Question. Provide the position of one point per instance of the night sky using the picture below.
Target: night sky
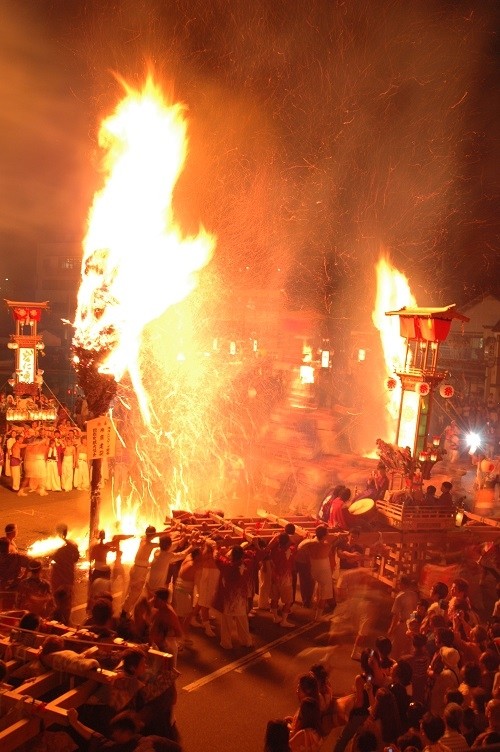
(321, 133)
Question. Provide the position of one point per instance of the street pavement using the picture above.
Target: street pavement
(225, 698)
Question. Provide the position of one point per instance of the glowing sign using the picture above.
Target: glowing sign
(408, 421)
(26, 365)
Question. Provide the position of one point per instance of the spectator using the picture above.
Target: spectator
(307, 731)
(419, 663)
(433, 728)
(277, 735)
(384, 718)
(124, 733)
(492, 733)
(326, 699)
(401, 679)
(453, 716)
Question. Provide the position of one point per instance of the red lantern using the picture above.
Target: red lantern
(391, 383)
(487, 466)
(422, 388)
(446, 391)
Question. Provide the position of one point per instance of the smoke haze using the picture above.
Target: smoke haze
(319, 131)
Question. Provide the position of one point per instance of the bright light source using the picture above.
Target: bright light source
(474, 441)
(361, 355)
(325, 358)
(306, 374)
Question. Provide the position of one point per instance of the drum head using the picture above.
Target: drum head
(361, 506)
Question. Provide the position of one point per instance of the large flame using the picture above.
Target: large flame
(136, 261)
(393, 292)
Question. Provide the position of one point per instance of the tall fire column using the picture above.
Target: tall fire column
(424, 330)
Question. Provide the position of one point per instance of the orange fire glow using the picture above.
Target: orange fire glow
(393, 292)
(137, 263)
(136, 260)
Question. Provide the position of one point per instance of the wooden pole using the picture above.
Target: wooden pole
(95, 501)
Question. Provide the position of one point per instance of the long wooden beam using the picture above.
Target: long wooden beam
(19, 733)
(74, 697)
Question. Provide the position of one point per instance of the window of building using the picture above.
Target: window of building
(70, 262)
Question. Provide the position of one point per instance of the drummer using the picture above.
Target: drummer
(376, 485)
(339, 514)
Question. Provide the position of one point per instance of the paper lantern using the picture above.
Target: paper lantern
(391, 383)
(487, 466)
(422, 388)
(446, 391)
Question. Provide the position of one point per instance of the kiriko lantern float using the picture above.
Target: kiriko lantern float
(424, 330)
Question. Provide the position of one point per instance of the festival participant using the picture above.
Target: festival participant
(166, 555)
(62, 606)
(34, 593)
(282, 559)
(166, 628)
(68, 463)
(349, 551)
(12, 566)
(100, 621)
(339, 516)
(141, 621)
(377, 484)
(63, 566)
(326, 504)
(53, 478)
(15, 465)
(140, 568)
(303, 567)
(11, 440)
(350, 555)
(430, 495)
(10, 534)
(208, 585)
(231, 599)
(446, 500)
(81, 478)
(452, 442)
(35, 465)
(99, 551)
(184, 591)
(321, 571)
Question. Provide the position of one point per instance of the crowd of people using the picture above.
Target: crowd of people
(437, 689)
(430, 682)
(38, 458)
